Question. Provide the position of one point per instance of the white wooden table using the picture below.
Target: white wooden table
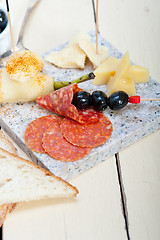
(97, 212)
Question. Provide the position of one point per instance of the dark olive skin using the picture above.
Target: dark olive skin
(81, 100)
(3, 20)
(99, 100)
(118, 100)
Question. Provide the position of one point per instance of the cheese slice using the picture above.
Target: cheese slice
(140, 74)
(90, 50)
(123, 79)
(79, 37)
(69, 57)
(12, 91)
(75, 53)
(106, 70)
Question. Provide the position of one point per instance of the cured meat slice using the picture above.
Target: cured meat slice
(59, 148)
(60, 102)
(86, 135)
(34, 131)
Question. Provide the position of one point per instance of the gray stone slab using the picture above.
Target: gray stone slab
(129, 125)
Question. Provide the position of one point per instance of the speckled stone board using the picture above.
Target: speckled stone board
(129, 125)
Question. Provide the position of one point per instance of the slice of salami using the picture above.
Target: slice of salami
(59, 148)
(60, 102)
(86, 135)
(34, 131)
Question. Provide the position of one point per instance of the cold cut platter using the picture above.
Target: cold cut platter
(129, 125)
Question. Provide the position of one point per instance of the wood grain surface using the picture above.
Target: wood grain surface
(97, 212)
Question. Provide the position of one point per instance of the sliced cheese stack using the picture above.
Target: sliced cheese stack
(76, 52)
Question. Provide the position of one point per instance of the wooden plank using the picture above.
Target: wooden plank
(125, 35)
(140, 167)
(54, 21)
(139, 162)
(133, 26)
(95, 214)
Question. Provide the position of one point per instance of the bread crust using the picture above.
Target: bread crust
(9, 143)
(5, 209)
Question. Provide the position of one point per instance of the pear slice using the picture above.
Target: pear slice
(12, 91)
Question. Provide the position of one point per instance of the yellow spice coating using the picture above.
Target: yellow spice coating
(23, 63)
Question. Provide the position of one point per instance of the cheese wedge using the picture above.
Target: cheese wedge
(13, 91)
(90, 50)
(123, 79)
(22, 64)
(109, 67)
(140, 74)
(106, 70)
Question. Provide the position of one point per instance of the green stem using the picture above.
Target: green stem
(60, 84)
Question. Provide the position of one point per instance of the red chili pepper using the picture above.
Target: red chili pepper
(134, 99)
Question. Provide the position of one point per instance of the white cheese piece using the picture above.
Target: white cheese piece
(90, 50)
(70, 57)
(74, 54)
(77, 38)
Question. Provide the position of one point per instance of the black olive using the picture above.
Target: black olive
(118, 100)
(81, 100)
(3, 20)
(99, 100)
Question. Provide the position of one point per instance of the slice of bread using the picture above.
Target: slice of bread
(5, 209)
(7, 145)
(22, 180)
